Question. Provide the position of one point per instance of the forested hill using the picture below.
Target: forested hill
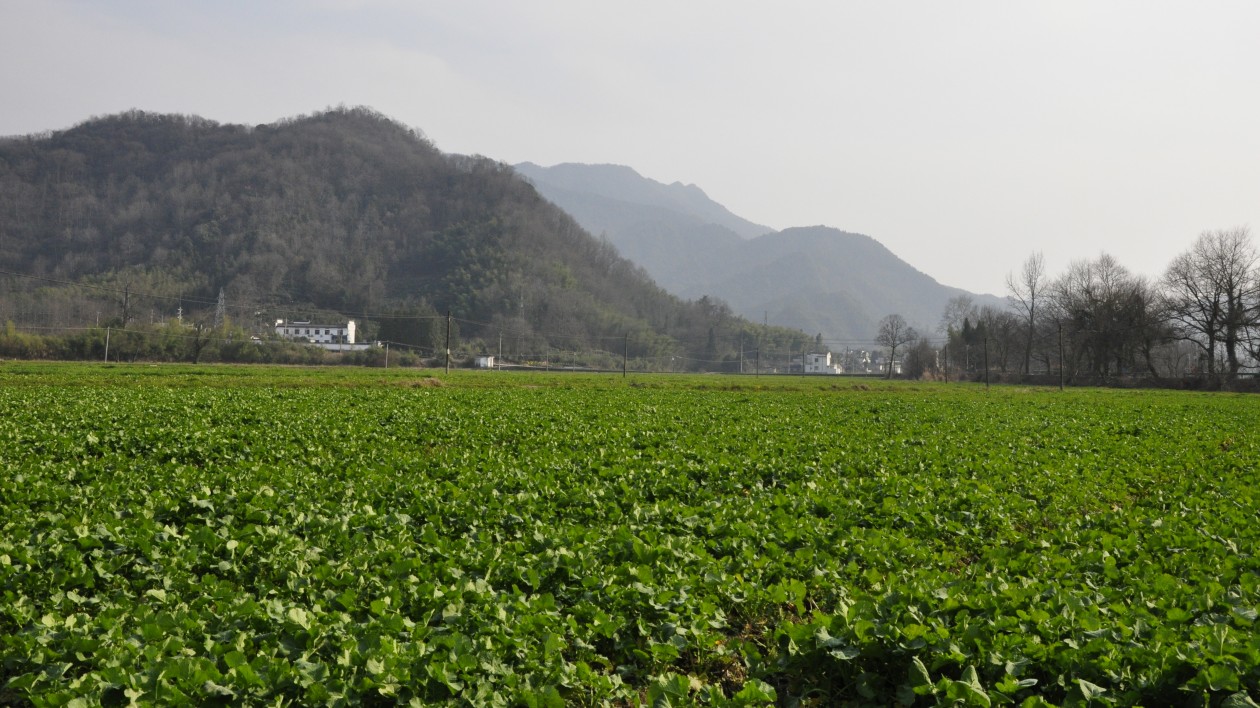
(343, 212)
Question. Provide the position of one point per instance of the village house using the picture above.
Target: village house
(821, 364)
(316, 333)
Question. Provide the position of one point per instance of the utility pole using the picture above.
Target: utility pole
(765, 326)
(1060, 356)
(625, 354)
(107, 345)
(448, 341)
(986, 363)
(386, 355)
(741, 352)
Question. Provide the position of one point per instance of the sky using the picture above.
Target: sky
(962, 135)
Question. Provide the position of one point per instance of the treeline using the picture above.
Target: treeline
(139, 218)
(762, 349)
(173, 342)
(1099, 322)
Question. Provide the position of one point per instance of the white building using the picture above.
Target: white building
(485, 362)
(316, 333)
(821, 364)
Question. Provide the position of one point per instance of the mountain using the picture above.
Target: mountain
(817, 279)
(824, 280)
(623, 184)
(345, 212)
(670, 230)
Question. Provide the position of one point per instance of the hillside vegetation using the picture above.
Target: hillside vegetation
(133, 219)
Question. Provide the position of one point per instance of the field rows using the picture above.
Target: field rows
(555, 546)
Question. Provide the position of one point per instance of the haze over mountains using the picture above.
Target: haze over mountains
(817, 278)
(342, 213)
(349, 212)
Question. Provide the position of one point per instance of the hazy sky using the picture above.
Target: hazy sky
(963, 135)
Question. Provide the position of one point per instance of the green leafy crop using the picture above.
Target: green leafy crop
(542, 544)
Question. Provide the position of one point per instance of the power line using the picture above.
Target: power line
(633, 333)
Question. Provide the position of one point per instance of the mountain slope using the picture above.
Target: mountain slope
(669, 230)
(623, 184)
(342, 212)
(818, 279)
(824, 280)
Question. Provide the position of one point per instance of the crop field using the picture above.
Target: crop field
(221, 535)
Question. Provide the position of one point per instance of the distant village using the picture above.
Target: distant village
(340, 337)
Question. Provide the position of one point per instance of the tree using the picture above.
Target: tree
(1104, 312)
(921, 361)
(998, 330)
(958, 310)
(1026, 290)
(893, 333)
(1210, 294)
(955, 324)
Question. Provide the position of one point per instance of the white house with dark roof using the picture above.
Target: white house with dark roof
(316, 333)
(821, 364)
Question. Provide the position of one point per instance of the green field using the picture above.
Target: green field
(228, 535)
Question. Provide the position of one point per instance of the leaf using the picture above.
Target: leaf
(845, 653)
(1247, 614)
(969, 689)
(1239, 700)
(1089, 690)
(548, 697)
(755, 692)
(298, 616)
(665, 689)
(1220, 678)
(920, 680)
(213, 689)
(348, 599)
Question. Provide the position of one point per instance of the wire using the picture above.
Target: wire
(743, 331)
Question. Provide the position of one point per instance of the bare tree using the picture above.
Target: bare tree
(893, 333)
(1233, 258)
(957, 310)
(1026, 290)
(1193, 305)
(1000, 329)
(1210, 293)
(1103, 310)
(921, 361)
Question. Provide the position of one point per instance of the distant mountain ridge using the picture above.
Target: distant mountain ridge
(824, 280)
(340, 212)
(623, 184)
(818, 279)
